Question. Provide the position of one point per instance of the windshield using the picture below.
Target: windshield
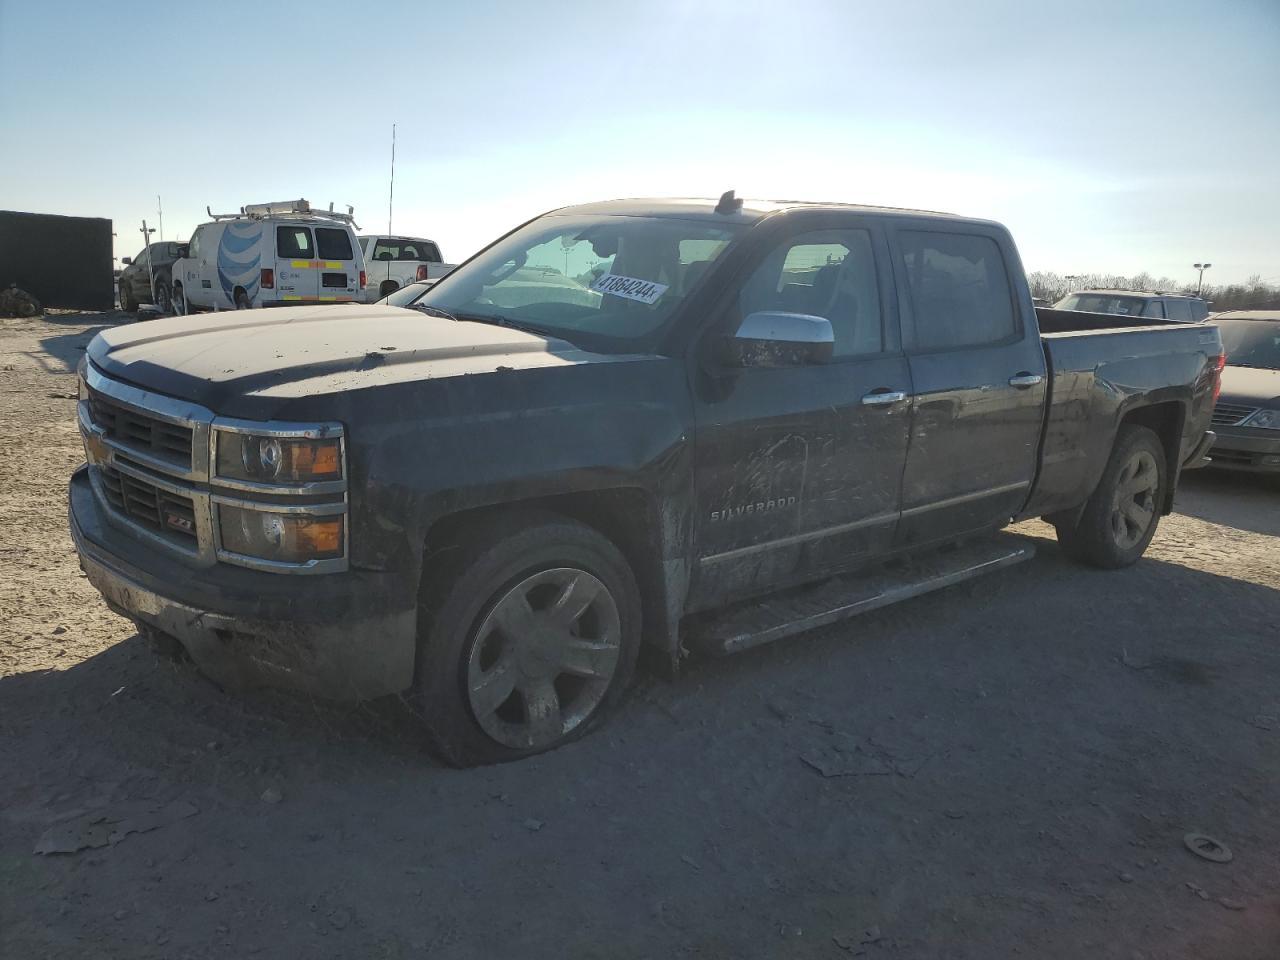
(1251, 343)
(607, 282)
(406, 294)
(1102, 303)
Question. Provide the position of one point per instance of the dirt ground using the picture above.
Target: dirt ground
(1023, 757)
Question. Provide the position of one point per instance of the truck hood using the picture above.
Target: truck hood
(287, 353)
(1250, 385)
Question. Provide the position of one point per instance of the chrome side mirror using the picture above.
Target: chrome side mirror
(773, 339)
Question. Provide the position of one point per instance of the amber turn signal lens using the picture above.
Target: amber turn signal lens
(320, 537)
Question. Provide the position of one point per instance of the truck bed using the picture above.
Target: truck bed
(1076, 321)
(1100, 366)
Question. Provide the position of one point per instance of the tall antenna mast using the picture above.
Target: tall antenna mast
(391, 198)
(160, 211)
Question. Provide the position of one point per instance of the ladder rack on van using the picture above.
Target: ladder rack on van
(285, 210)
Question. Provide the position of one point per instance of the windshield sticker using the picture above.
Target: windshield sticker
(646, 291)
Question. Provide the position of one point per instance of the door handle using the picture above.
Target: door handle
(883, 399)
(1024, 380)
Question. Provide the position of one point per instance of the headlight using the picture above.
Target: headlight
(278, 459)
(1267, 419)
(280, 537)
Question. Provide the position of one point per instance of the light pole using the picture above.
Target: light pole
(1202, 267)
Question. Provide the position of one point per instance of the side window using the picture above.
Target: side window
(1154, 308)
(828, 273)
(364, 245)
(1199, 310)
(293, 242)
(1180, 310)
(960, 293)
(193, 248)
(143, 259)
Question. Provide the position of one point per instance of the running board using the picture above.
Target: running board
(755, 622)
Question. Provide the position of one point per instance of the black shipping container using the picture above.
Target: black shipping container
(61, 261)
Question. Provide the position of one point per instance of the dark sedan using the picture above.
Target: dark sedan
(1247, 417)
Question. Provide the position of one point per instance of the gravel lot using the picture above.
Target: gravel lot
(1021, 757)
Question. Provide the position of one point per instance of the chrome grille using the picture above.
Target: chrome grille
(138, 431)
(1230, 414)
(169, 514)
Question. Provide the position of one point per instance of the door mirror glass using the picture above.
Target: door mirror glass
(774, 339)
(127, 261)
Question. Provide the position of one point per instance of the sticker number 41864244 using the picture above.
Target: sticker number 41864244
(646, 291)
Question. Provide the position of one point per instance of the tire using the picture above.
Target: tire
(387, 288)
(179, 301)
(127, 303)
(164, 300)
(242, 300)
(1123, 513)
(488, 690)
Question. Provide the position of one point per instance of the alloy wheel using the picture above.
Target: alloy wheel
(544, 658)
(1133, 507)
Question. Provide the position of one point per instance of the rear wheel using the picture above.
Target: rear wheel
(242, 300)
(1121, 516)
(163, 298)
(529, 643)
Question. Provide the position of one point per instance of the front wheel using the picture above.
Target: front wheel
(242, 300)
(1121, 516)
(178, 301)
(528, 643)
(127, 303)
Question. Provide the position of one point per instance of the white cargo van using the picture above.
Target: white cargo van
(395, 261)
(270, 254)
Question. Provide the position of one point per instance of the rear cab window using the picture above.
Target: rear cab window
(959, 289)
(416, 250)
(1179, 310)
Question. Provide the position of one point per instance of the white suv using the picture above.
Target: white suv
(394, 262)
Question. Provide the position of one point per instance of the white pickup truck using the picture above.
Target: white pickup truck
(394, 262)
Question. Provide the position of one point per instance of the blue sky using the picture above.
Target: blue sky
(1110, 137)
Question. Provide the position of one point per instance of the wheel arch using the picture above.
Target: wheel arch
(628, 517)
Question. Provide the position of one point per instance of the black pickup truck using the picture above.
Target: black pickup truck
(616, 429)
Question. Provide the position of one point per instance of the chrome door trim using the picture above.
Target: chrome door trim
(966, 498)
(796, 538)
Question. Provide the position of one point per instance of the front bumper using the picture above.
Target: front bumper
(342, 636)
(1242, 448)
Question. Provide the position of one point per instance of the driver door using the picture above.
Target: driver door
(798, 469)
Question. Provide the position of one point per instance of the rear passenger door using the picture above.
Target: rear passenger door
(297, 278)
(978, 370)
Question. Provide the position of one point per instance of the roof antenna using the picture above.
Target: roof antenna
(728, 203)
